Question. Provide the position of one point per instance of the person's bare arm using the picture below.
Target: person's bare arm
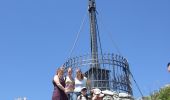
(94, 97)
(57, 81)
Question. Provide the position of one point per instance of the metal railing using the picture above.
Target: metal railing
(109, 71)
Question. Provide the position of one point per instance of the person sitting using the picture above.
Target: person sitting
(97, 94)
(83, 95)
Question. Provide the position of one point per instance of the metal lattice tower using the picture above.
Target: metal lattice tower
(93, 33)
(105, 71)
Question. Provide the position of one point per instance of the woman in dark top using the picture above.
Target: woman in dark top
(59, 86)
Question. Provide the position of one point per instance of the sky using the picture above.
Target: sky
(36, 37)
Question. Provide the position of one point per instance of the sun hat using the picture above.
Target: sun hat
(98, 92)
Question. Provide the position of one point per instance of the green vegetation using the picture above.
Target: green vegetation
(162, 94)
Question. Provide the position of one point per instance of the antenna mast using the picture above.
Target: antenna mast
(105, 71)
(93, 34)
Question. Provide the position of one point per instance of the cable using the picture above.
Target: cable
(98, 34)
(136, 84)
(110, 36)
(77, 36)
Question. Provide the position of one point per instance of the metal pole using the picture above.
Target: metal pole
(93, 34)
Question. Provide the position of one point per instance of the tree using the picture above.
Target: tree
(162, 94)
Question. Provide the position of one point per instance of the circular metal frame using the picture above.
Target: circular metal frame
(109, 71)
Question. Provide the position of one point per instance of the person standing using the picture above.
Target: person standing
(70, 84)
(59, 86)
(80, 82)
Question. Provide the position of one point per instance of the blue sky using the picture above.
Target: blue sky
(37, 35)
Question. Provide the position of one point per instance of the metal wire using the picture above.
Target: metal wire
(77, 36)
